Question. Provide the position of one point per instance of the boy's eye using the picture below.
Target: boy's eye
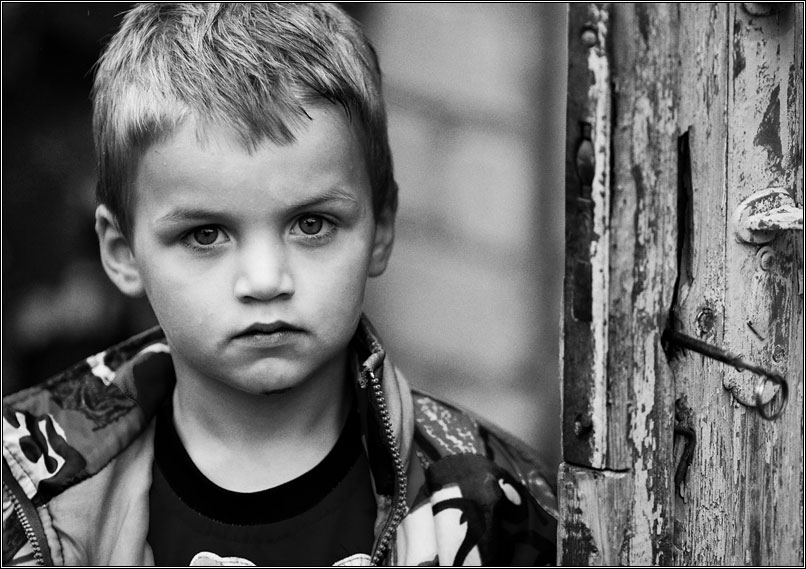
(205, 239)
(311, 225)
(206, 235)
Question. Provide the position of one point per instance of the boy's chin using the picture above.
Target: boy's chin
(270, 389)
(280, 384)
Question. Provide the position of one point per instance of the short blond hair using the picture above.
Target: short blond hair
(250, 67)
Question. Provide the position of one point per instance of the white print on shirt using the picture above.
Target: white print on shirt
(207, 559)
(357, 560)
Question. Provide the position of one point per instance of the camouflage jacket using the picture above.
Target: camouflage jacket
(78, 450)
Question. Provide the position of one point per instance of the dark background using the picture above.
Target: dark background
(57, 303)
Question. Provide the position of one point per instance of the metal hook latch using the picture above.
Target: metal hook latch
(768, 410)
(760, 217)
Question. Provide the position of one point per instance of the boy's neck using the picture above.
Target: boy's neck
(246, 443)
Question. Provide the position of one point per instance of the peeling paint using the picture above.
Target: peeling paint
(644, 22)
(739, 62)
(642, 432)
(599, 92)
(747, 477)
(795, 152)
(730, 105)
(582, 541)
(768, 135)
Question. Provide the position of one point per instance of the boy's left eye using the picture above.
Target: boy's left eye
(311, 225)
(314, 229)
(206, 235)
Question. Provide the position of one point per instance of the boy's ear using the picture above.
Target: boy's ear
(384, 239)
(117, 256)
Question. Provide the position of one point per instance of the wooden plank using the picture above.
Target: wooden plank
(596, 530)
(621, 231)
(643, 263)
(585, 422)
(763, 96)
(744, 114)
(700, 309)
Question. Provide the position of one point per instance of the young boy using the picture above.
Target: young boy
(246, 188)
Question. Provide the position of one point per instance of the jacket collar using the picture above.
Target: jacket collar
(385, 408)
(95, 409)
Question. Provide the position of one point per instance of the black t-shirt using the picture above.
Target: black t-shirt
(320, 518)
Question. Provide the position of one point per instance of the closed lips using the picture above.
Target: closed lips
(269, 329)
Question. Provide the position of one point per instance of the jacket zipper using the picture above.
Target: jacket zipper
(399, 498)
(28, 529)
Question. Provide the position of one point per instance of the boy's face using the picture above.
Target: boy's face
(256, 264)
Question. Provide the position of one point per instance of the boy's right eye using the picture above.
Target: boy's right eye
(206, 235)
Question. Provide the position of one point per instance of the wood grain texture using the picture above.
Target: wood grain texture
(643, 263)
(618, 395)
(707, 108)
(596, 529)
(743, 499)
(700, 309)
(585, 421)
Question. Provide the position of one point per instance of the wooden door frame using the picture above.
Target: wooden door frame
(644, 93)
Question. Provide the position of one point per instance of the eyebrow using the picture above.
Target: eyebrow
(186, 214)
(331, 195)
(182, 214)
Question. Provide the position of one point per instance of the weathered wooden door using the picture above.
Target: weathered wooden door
(684, 232)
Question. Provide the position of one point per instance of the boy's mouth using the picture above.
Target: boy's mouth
(268, 336)
(259, 329)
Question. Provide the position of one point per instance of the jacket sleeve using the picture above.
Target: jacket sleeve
(502, 490)
(525, 464)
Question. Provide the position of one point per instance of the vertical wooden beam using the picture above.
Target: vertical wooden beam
(703, 117)
(643, 261)
(587, 174)
(621, 228)
(743, 499)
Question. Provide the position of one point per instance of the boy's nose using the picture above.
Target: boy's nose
(263, 273)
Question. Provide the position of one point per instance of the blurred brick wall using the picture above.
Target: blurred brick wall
(470, 305)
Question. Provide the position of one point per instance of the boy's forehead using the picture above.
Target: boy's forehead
(211, 134)
(208, 159)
